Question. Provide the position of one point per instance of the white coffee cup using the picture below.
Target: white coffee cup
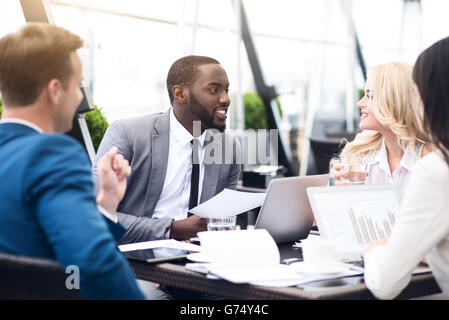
(319, 252)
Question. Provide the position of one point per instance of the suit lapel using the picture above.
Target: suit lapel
(160, 141)
(210, 170)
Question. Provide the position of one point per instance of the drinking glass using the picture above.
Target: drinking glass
(356, 169)
(333, 163)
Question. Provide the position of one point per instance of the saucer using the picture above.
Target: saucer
(198, 257)
(313, 268)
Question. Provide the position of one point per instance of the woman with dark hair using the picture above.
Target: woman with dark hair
(422, 227)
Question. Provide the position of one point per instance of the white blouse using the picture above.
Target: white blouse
(379, 170)
(421, 230)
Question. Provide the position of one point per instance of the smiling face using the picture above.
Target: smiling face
(209, 99)
(368, 120)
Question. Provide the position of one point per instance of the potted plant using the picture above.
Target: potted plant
(255, 113)
(97, 125)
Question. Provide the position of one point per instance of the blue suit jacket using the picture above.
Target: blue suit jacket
(48, 209)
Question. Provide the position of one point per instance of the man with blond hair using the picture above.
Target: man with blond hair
(47, 203)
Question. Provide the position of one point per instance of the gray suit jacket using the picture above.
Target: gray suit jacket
(144, 142)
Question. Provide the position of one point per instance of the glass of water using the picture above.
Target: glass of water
(355, 168)
(221, 224)
(333, 163)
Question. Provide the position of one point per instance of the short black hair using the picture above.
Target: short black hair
(431, 75)
(183, 71)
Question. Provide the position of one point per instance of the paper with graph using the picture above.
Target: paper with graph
(368, 229)
(354, 219)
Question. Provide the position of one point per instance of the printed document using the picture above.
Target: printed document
(252, 256)
(244, 256)
(169, 243)
(229, 203)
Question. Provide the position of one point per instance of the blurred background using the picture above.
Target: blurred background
(294, 65)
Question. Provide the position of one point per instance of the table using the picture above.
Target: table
(351, 288)
(174, 274)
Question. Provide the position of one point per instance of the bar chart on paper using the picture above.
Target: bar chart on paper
(355, 217)
(368, 228)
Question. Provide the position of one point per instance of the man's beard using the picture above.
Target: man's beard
(207, 120)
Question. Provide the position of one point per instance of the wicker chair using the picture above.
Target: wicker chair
(33, 278)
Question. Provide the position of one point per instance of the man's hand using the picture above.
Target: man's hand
(113, 170)
(187, 228)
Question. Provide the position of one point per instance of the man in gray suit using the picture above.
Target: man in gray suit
(159, 149)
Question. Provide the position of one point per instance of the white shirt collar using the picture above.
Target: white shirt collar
(181, 135)
(22, 122)
(407, 160)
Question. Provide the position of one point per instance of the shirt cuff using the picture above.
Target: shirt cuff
(167, 232)
(107, 214)
(372, 268)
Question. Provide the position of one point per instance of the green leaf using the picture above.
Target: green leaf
(97, 125)
(255, 114)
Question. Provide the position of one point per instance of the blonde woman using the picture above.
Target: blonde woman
(393, 137)
(422, 226)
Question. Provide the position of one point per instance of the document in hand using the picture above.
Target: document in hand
(229, 203)
(244, 256)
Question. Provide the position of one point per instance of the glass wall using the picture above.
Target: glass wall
(305, 47)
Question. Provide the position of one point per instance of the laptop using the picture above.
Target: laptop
(354, 216)
(286, 213)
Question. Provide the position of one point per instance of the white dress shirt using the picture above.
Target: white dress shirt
(174, 199)
(379, 170)
(421, 230)
(175, 195)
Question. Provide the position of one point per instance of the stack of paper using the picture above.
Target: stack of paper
(244, 256)
(169, 243)
(252, 256)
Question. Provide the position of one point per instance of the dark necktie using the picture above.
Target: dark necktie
(193, 201)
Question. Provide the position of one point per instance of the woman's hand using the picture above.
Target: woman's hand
(339, 174)
(376, 243)
(342, 176)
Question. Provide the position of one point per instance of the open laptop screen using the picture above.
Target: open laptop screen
(354, 216)
(286, 212)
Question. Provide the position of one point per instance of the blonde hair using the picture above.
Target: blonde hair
(396, 106)
(33, 56)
